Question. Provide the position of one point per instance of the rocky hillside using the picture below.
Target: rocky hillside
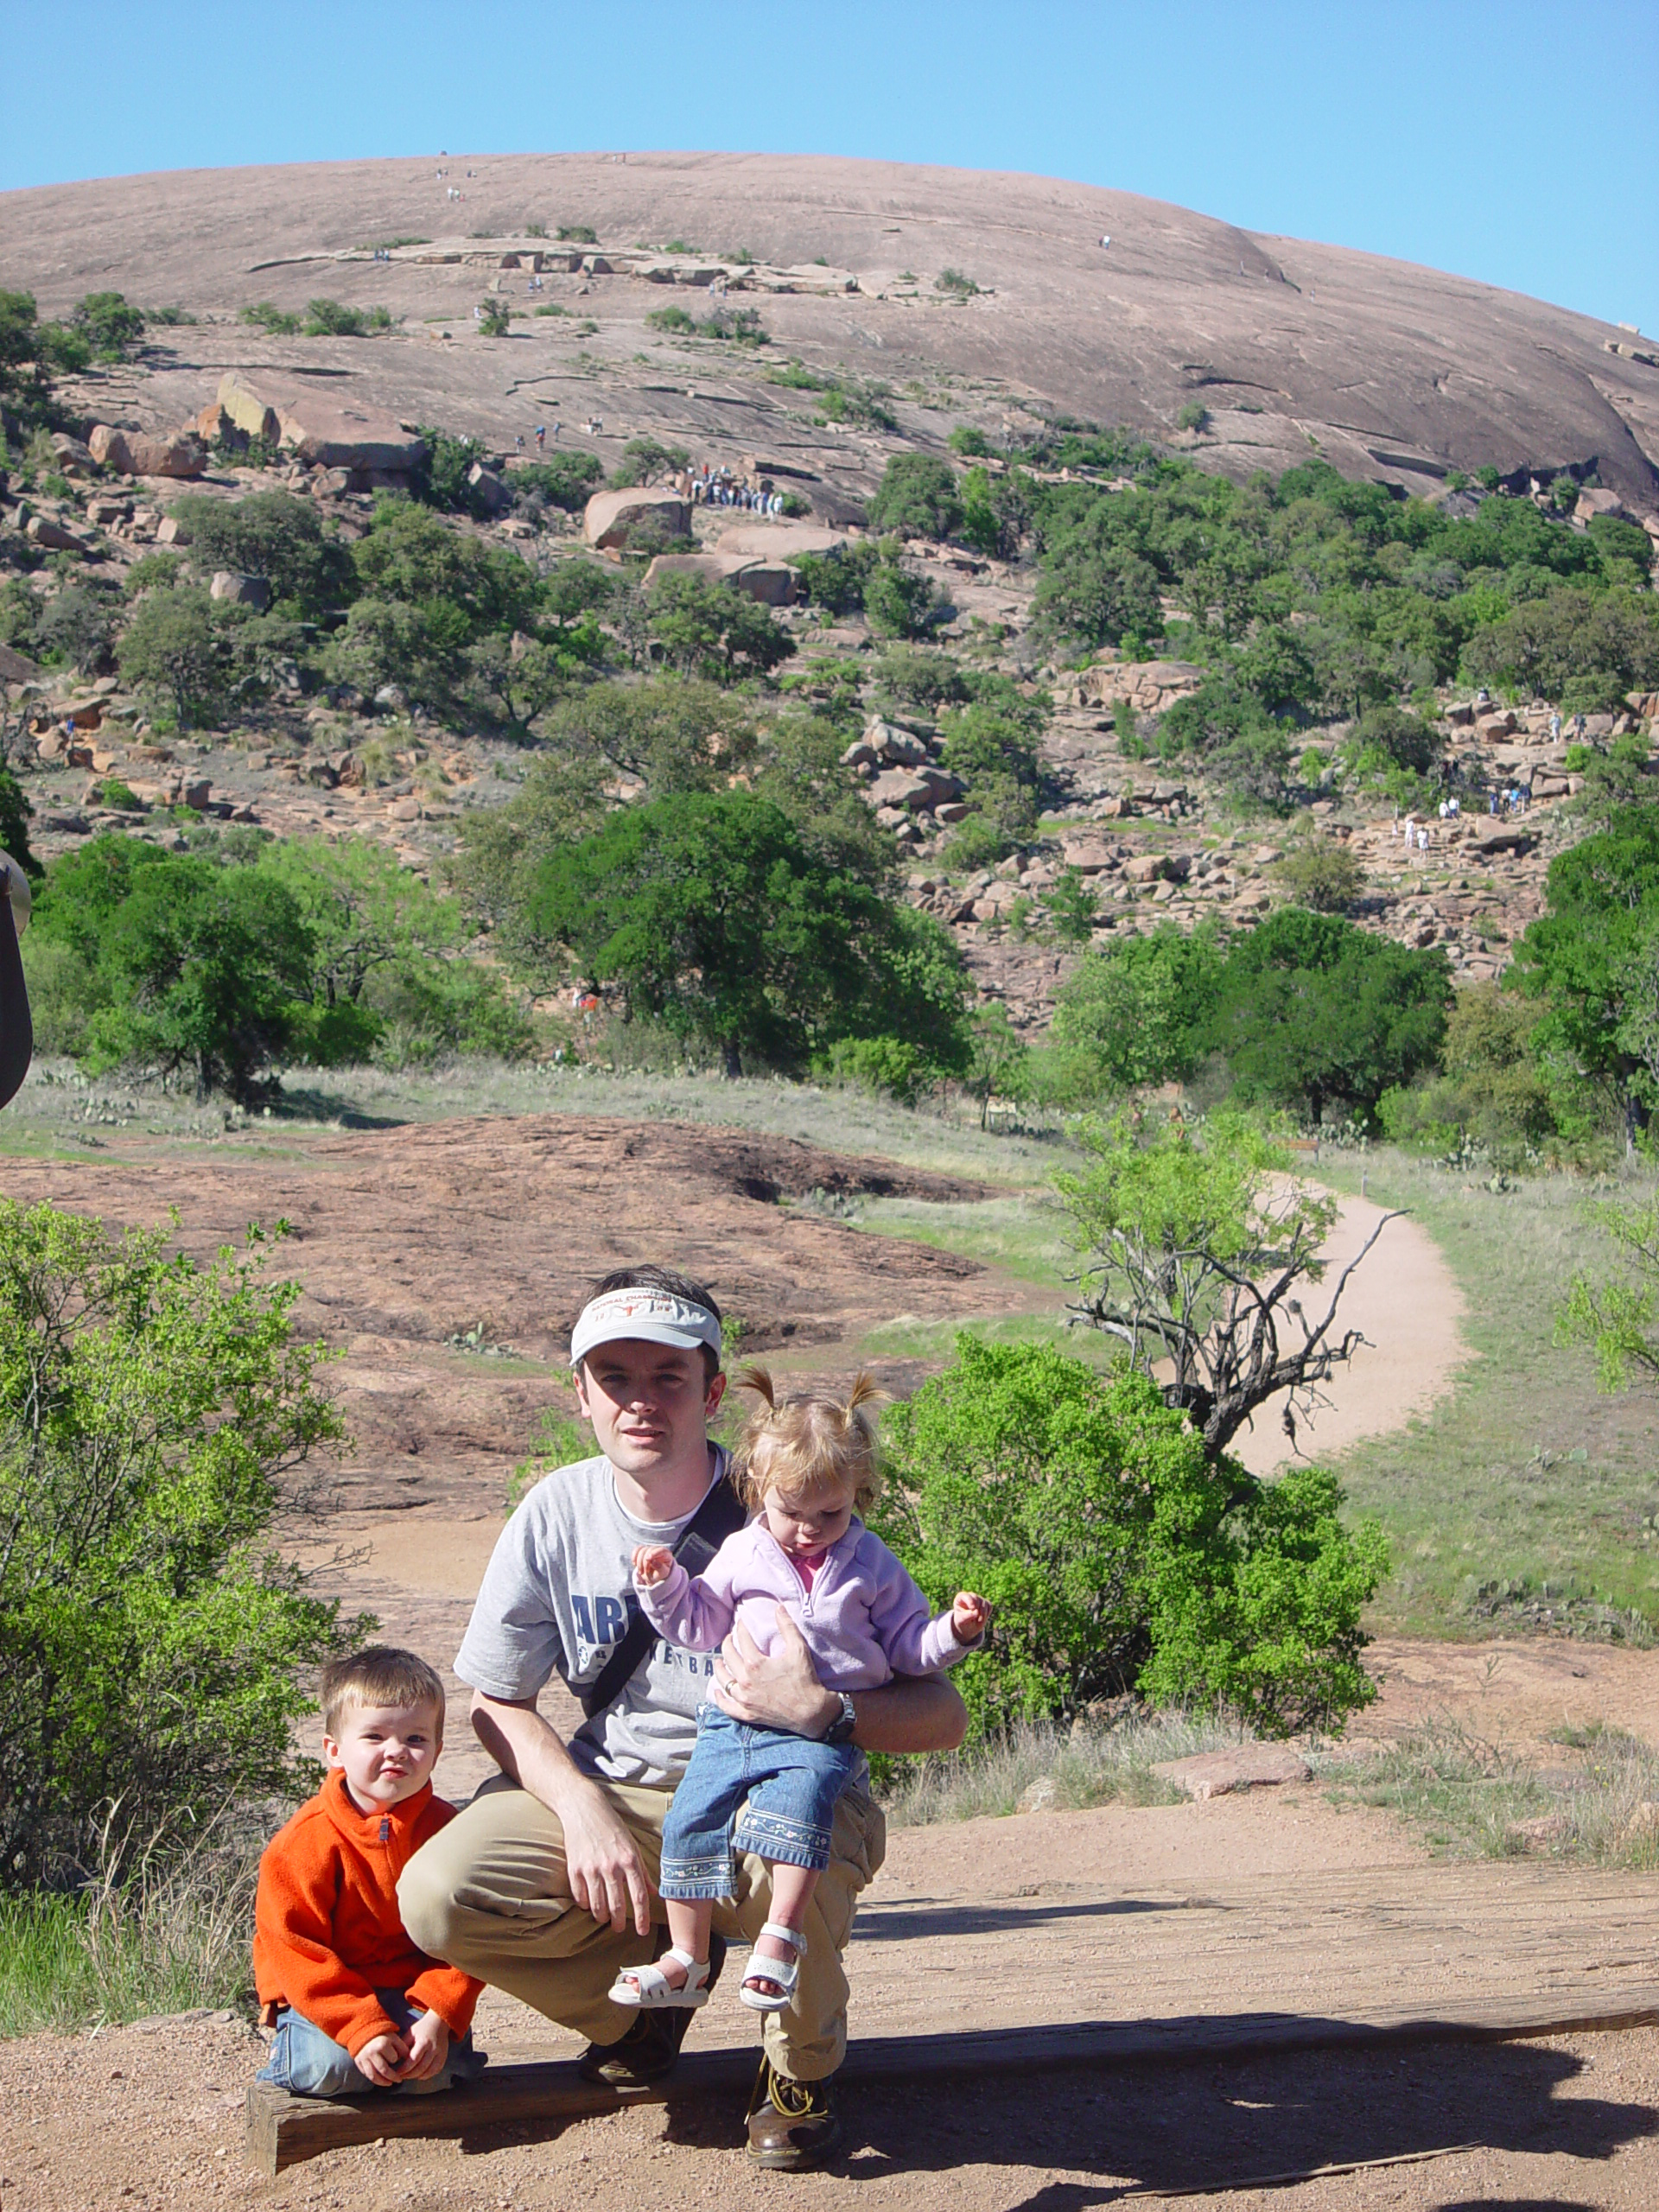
(1391, 371)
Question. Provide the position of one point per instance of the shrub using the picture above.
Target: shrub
(672, 319)
(917, 497)
(1193, 416)
(496, 320)
(333, 319)
(707, 629)
(953, 281)
(564, 479)
(154, 1636)
(898, 602)
(967, 442)
(273, 535)
(1119, 1558)
(1321, 873)
(112, 328)
(644, 461)
(577, 234)
(265, 315)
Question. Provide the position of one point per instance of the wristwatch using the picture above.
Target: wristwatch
(839, 1730)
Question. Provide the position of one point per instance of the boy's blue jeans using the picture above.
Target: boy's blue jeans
(308, 2063)
(791, 1783)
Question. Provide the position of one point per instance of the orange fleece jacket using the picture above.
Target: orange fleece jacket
(327, 1929)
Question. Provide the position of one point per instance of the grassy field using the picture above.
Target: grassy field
(1520, 1500)
(1525, 1499)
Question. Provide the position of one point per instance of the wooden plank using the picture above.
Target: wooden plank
(282, 2130)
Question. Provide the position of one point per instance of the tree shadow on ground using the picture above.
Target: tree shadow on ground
(1208, 2124)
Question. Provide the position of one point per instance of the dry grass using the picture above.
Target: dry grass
(1110, 1766)
(159, 1936)
(1469, 1798)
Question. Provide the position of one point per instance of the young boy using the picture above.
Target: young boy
(356, 2006)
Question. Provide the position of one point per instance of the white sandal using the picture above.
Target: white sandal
(783, 1973)
(648, 1989)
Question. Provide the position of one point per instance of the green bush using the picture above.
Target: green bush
(898, 602)
(496, 320)
(710, 629)
(111, 327)
(265, 315)
(275, 536)
(577, 234)
(893, 1066)
(672, 319)
(970, 442)
(956, 283)
(333, 319)
(1119, 1560)
(155, 1637)
(564, 479)
(644, 461)
(918, 498)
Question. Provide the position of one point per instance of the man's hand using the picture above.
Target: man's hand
(382, 2060)
(652, 1563)
(779, 1689)
(602, 1861)
(970, 1616)
(429, 2048)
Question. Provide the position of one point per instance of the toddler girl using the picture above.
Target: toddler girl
(803, 1466)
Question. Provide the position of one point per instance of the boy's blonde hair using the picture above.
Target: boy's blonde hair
(378, 1675)
(807, 1443)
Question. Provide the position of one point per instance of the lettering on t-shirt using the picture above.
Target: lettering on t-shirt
(601, 1623)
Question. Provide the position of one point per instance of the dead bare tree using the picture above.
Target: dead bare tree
(1196, 1255)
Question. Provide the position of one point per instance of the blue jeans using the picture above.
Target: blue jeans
(308, 2063)
(791, 1783)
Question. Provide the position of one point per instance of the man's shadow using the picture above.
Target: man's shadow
(1219, 2124)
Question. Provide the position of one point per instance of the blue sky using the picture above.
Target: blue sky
(1510, 142)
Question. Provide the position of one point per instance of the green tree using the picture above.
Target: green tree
(274, 535)
(898, 602)
(646, 461)
(1120, 1557)
(155, 1641)
(1132, 1014)
(1196, 1251)
(177, 650)
(1615, 1318)
(713, 631)
(708, 914)
(112, 328)
(1311, 1010)
(564, 479)
(1583, 957)
(918, 498)
(212, 969)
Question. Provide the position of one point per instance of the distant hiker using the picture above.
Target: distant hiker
(547, 1887)
(356, 2005)
(541, 437)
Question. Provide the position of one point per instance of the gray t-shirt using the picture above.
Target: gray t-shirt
(557, 1597)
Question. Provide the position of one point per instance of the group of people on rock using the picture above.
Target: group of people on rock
(718, 487)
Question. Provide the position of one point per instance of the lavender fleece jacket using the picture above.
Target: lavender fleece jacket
(864, 1620)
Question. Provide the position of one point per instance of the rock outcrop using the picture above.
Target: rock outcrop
(609, 516)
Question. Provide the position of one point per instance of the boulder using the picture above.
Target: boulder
(326, 432)
(495, 495)
(899, 747)
(1148, 686)
(56, 536)
(70, 456)
(240, 591)
(918, 791)
(1248, 1766)
(780, 541)
(16, 667)
(1088, 856)
(171, 531)
(771, 583)
(609, 516)
(130, 453)
(1145, 867)
(247, 410)
(1603, 502)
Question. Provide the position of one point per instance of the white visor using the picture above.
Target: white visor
(655, 1315)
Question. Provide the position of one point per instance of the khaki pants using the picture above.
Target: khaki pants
(490, 1894)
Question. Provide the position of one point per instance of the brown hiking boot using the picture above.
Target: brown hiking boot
(651, 2048)
(793, 2124)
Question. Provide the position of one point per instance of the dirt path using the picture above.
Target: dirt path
(1405, 1301)
(1042, 1918)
